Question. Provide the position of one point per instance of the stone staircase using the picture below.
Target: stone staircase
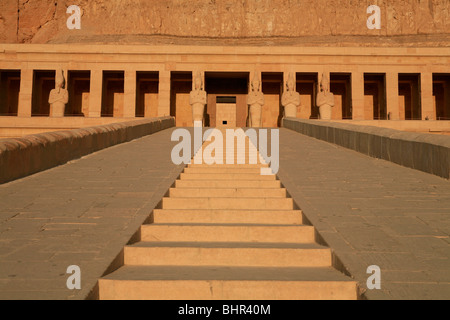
(225, 232)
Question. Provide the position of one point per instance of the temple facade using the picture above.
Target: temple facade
(133, 81)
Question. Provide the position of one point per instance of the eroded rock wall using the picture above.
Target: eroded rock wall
(40, 21)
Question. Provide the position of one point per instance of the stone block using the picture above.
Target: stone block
(362, 142)
(345, 138)
(440, 161)
(350, 139)
(322, 133)
(423, 154)
(331, 135)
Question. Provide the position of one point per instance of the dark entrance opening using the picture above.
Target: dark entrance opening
(227, 84)
(375, 96)
(226, 99)
(307, 85)
(79, 91)
(410, 104)
(340, 86)
(43, 83)
(147, 88)
(9, 92)
(441, 96)
(113, 93)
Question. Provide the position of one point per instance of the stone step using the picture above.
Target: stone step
(228, 203)
(226, 283)
(227, 254)
(282, 217)
(238, 154)
(226, 233)
(215, 170)
(227, 193)
(227, 176)
(226, 151)
(228, 184)
(245, 166)
(247, 161)
(235, 149)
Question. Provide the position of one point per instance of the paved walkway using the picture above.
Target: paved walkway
(82, 213)
(371, 212)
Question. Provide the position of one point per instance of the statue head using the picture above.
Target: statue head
(198, 81)
(255, 83)
(290, 84)
(325, 83)
(59, 79)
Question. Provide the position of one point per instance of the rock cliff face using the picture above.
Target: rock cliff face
(42, 21)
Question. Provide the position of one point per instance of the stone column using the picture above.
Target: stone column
(164, 94)
(392, 106)
(95, 95)
(357, 96)
(66, 78)
(426, 94)
(26, 93)
(129, 101)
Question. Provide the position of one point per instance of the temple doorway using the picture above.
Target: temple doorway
(9, 92)
(43, 83)
(272, 87)
(113, 93)
(307, 85)
(441, 96)
(227, 99)
(79, 91)
(340, 85)
(180, 87)
(147, 88)
(410, 106)
(375, 97)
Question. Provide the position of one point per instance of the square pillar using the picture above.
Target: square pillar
(164, 94)
(26, 93)
(392, 96)
(357, 95)
(426, 94)
(129, 104)
(95, 96)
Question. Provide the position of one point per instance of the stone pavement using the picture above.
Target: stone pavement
(373, 212)
(82, 214)
(370, 212)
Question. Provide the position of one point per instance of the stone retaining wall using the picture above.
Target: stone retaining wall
(425, 152)
(24, 156)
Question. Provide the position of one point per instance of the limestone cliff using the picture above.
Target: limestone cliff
(43, 21)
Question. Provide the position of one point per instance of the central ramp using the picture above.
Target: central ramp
(226, 232)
